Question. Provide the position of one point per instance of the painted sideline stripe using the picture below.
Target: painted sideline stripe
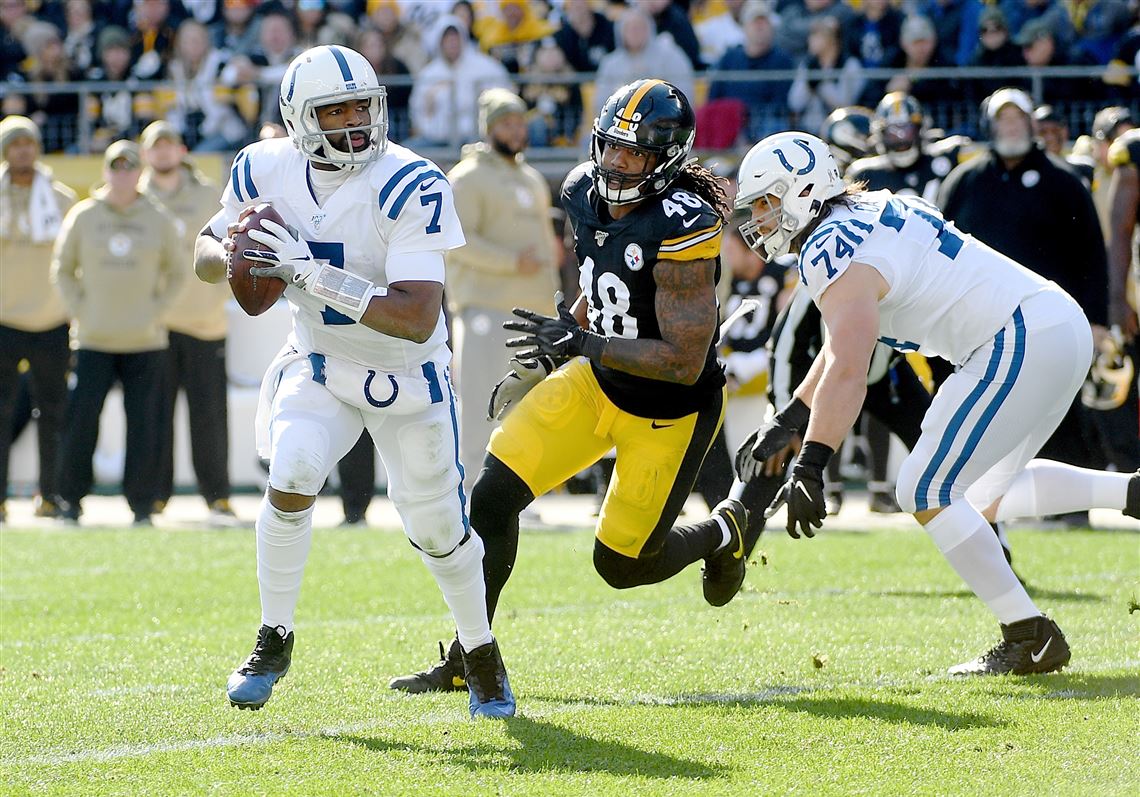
(122, 751)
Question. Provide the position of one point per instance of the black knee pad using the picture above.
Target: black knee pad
(617, 570)
(497, 498)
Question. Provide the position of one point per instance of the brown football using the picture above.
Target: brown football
(254, 294)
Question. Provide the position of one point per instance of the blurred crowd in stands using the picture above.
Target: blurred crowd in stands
(212, 67)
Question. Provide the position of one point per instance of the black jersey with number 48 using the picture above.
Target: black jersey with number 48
(616, 261)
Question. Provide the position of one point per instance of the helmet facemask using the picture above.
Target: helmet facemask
(900, 143)
(667, 161)
(315, 143)
(781, 220)
(328, 75)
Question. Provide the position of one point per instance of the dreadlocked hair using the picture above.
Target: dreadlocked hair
(698, 180)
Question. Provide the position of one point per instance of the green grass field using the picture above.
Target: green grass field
(824, 677)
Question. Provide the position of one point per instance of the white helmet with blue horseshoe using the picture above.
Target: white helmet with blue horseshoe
(325, 75)
(801, 172)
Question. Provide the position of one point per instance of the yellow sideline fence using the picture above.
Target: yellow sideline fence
(82, 173)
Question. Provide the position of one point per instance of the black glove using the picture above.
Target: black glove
(559, 337)
(771, 438)
(803, 492)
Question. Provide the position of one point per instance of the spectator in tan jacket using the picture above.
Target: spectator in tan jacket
(33, 322)
(196, 357)
(119, 265)
(509, 260)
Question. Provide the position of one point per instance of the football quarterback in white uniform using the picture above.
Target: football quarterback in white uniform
(367, 223)
(883, 267)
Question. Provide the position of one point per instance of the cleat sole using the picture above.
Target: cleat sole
(257, 706)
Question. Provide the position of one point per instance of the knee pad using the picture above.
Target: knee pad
(299, 464)
(497, 498)
(617, 570)
(906, 484)
(436, 526)
(465, 557)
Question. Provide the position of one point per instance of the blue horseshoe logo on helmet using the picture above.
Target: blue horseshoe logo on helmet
(806, 148)
(368, 392)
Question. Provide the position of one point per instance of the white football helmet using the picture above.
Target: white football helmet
(322, 76)
(801, 172)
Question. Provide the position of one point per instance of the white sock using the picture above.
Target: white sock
(283, 541)
(966, 540)
(460, 579)
(1046, 487)
(725, 534)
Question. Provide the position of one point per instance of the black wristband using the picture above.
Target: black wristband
(593, 346)
(814, 456)
(795, 415)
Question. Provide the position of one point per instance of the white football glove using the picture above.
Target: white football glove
(524, 375)
(289, 257)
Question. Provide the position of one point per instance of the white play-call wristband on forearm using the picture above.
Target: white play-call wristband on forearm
(347, 292)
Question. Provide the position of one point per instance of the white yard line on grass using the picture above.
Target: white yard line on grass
(537, 710)
(121, 751)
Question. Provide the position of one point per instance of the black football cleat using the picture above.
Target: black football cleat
(1132, 500)
(486, 677)
(723, 573)
(1035, 645)
(251, 684)
(445, 676)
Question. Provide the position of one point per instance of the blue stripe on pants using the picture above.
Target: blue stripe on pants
(458, 464)
(990, 411)
(920, 499)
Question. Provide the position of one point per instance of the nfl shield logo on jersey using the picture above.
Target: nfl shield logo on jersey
(633, 257)
(600, 236)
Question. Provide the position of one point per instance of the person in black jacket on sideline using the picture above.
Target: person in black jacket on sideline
(1033, 208)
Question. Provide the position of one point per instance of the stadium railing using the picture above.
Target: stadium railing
(958, 112)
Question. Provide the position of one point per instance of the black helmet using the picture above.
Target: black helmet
(900, 122)
(650, 116)
(848, 132)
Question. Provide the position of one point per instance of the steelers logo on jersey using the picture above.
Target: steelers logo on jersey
(634, 258)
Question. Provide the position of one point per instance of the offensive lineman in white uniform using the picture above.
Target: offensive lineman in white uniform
(363, 258)
(890, 268)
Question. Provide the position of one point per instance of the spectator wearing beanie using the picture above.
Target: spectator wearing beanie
(509, 261)
(33, 321)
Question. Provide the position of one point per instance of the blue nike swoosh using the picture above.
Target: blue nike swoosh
(428, 184)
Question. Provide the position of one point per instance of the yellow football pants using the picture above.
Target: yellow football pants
(566, 423)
